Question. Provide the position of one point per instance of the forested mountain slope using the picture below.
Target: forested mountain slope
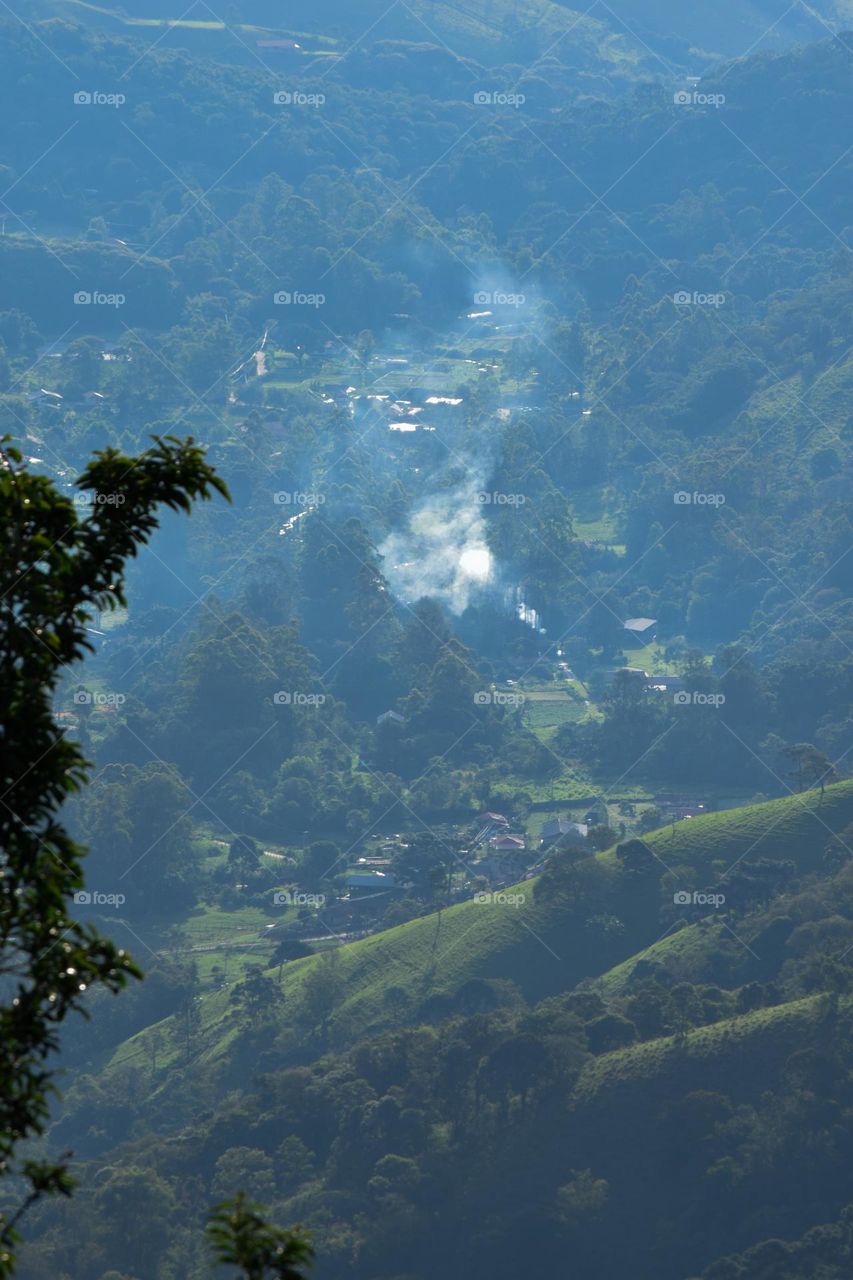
(542, 936)
(474, 787)
(657, 1109)
(599, 38)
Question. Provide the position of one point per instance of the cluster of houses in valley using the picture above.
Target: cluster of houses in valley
(501, 853)
(498, 853)
(44, 399)
(654, 683)
(408, 413)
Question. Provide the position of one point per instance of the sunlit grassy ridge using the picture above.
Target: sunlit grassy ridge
(684, 953)
(795, 827)
(711, 1056)
(389, 978)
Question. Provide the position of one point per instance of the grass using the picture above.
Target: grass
(685, 954)
(550, 710)
(594, 515)
(764, 1039)
(600, 530)
(233, 965)
(796, 827)
(568, 787)
(651, 658)
(212, 936)
(211, 925)
(528, 943)
(438, 374)
(229, 940)
(548, 707)
(423, 958)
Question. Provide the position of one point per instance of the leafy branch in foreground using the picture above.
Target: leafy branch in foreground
(59, 562)
(242, 1238)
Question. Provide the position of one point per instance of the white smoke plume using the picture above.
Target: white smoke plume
(443, 552)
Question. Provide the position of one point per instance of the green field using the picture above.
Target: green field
(684, 953)
(545, 711)
(651, 658)
(568, 787)
(796, 827)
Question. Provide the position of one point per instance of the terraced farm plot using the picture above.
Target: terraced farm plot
(547, 711)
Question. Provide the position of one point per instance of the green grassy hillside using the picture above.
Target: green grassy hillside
(796, 827)
(750, 1048)
(686, 955)
(535, 938)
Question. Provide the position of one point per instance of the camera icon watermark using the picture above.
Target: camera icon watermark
(83, 98)
(285, 698)
(86, 698)
(501, 499)
(486, 98)
(695, 898)
(85, 298)
(94, 898)
(294, 298)
(298, 498)
(685, 699)
(499, 899)
(291, 898)
(497, 698)
(485, 298)
(683, 498)
(288, 98)
(695, 298)
(96, 499)
(693, 98)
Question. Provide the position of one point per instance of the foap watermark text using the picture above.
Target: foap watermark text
(95, 898)
(496, 298)
(296, 298)
(688, 298)
(695, 98)
(695, 699)
(296, 498)
(499, 98)
(500, 899)
(696, 898)
(85, 98)
(497, 698)
(293, 898)
(501, 499)
(684, 498)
